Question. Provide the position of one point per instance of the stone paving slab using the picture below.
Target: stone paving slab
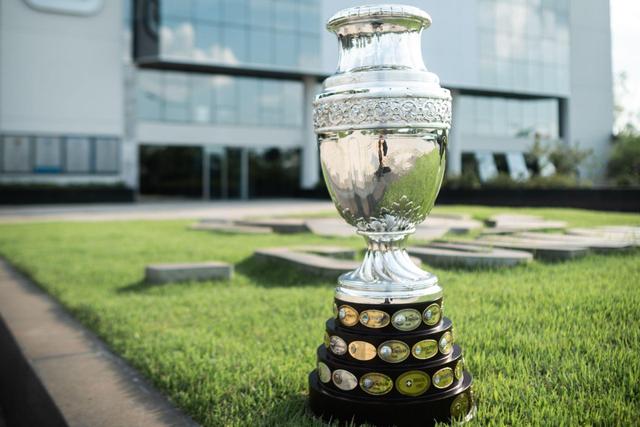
(87, 384)
(229, 227)
(596, 244)
(513, 223)
(337, 227)
(339, 252)
(548, 251)
(278, 225)
(320, 265)
(185, 272)
(453, 225)
(614, 234)
(444, 254)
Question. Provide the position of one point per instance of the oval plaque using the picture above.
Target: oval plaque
(459, 371)
(460, 406)
(347, 315)
(425, 349)
(344, 380)
(324, 373)
(337, 345)
(406, 320)
(443, 378)
(431, 315)
(362, 350)
(327, 340)
(446, 343)
(374, 319)
(376, 384)
(413, 383)
(393, 351)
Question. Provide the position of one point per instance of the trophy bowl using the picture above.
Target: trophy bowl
(382, 122)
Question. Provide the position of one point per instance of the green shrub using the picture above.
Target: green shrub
(623, 168)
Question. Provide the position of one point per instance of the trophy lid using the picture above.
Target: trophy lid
(381, 80)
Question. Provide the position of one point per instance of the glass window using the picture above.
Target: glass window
(176, 95)
(207, 10)
(175, 9)
(226, 99)
(309, 17)
(149, 95)
(235, 40)
(208, 43)
(271, 102)
(201, 105)
(309, 52)
(16, 154)
(77, 155)
(248, 89)
(292, 94)
(286, 53)
(235, 11)
(177, 39)
(48, 156)
(106, 155)
(286, 14)
(273, 172)
(261, 13)
(262, 44)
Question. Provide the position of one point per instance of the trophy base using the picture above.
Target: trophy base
(390, 364)
(331, 407)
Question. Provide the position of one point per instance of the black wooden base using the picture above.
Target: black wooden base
(374, 368)
(424, 411)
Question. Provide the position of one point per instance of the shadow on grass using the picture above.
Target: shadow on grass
(276, 274)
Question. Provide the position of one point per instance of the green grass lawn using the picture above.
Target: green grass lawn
(548, 344)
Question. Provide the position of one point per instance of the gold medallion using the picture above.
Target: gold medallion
(344, 380)
(376, 384)
(443, 378)
(374, 319)
(327, 340)
(460, 406)
(347, 315)
(446, 343)
(337, 345)
(406, 320)
(393, 351)
(459, 371)
(324, 373)
(413, 383)
(432, 314)
(362, 350)
(425, 349)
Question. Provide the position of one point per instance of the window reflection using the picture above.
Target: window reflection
(285, 33)
(524, 45)
(218, 99)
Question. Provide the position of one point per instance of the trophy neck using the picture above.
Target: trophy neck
(374, 51)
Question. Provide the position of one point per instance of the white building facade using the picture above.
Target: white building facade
(212, 98)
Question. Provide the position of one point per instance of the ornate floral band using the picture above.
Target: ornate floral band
(381, 113)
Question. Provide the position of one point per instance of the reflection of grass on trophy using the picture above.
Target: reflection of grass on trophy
(544, 341)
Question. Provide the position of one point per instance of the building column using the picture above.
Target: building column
(244, 173)
(206, 179)
(454, 149)
(309, 164)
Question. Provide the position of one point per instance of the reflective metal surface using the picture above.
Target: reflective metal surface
(382, 122)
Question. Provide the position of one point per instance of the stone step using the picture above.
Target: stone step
(547, 251)
(228, 227)
(310, 260)
(278, 225)
(444, 254)
(594, 243)
(187, 272)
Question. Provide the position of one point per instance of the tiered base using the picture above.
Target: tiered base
(390, 364)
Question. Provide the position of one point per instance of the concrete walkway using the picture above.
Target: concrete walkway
(54, 372)
(227, 210)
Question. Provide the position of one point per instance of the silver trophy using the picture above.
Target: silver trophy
(382, 122)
